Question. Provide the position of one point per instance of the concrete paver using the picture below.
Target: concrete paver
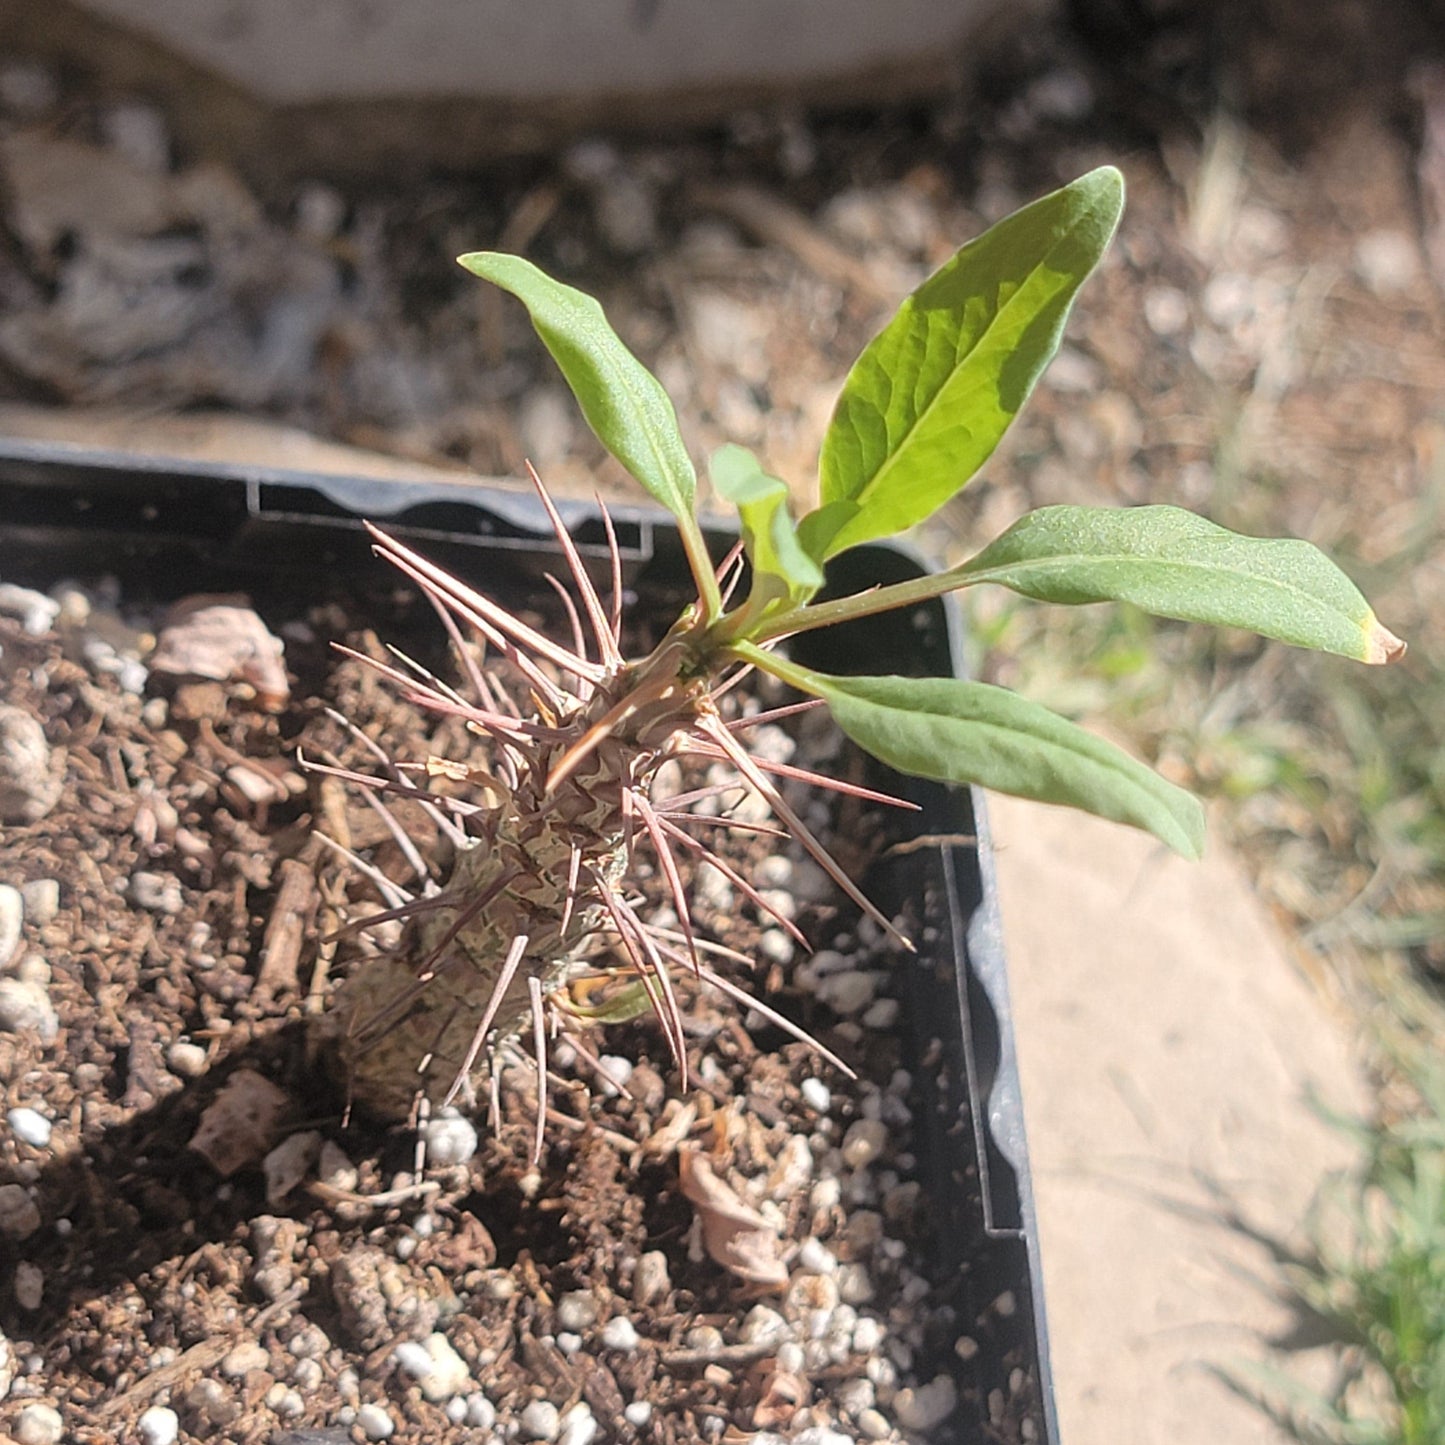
(1166, 1044)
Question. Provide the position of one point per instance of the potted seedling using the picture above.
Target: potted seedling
(561, 800)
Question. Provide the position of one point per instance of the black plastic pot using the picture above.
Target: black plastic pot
(168, 527)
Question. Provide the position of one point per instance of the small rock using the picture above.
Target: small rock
(480, 1411)
(882, 1014)
(138, 133)
(42, 901)
(650, 1281)
(28, 788)
(577, 1309)
(158, 1426)
(8, 1366)
(245, 1357)
(874, 1424)
(19, 1214)
(1166, 310)
(867, 1335)
(310, 1342)
(864, 1142)
(540, 1421)
(26, 1007)
(763, 1325)
(320, 211)
(31, 1126)
(375, 1423)
(29, 1285)
(855, 1285)
(617, 1071)
(926, 1406)
(39, 1425)
(619, 1333)
(289, 1163)
(12, 917)
(579, 1425)
(449, 1139)
(847, 992)
(816, 1095)
(186, 1060)
(774, 946)
(822, 1435)
(1388, 262)
(36, 611)
(156, 892)
(638, 1413)
(815, 1257)
(1073, 373)
(335, 1167)
(435, 1366)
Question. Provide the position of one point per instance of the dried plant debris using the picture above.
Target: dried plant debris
(328, 1286)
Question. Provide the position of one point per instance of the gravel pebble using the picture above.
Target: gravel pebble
(158, 1426)
(579, 1426)
(28, 787)
(19, 1214)
(7, 1366)
(29, 1285)
(925, 1406)
(375, 1423)
(243, 1358)
(874, 1424)
(619, 1333)
(848, 992)
(449, 1139)
(638, 1413)
(30, 1126)
(540, 1421)
(577, 1309)
(480, 1411)
(864, 1142)
(12, 916)
(39, 1425)
(42, 901)
(25, 1007)
(155, 892)
(186, 1060)
(816, 1095)
(650, 1281)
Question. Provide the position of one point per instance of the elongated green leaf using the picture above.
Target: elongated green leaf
(781, 568)
(622, 401)
(935, 390)
(1175, 564)
(969, 732)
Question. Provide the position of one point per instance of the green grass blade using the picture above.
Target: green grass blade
(1175, 564)
(970, 732)
(935, 390)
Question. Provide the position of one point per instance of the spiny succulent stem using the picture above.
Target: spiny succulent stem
(489, 1014)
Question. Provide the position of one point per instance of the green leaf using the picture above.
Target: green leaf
(969, 732)
(1175, 564)
(932, 394)
(622, 401)
(781, 568)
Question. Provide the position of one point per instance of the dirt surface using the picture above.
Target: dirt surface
(250, 1288)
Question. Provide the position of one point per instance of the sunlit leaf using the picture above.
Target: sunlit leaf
(622, 401)
(1175, 564)
(781, 568)
(930, 397)
(970, 732)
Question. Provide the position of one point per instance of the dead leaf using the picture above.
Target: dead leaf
(734, 1234)
(784, 1395)
(241, 1124)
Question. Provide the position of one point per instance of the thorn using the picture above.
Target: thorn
(479, 1036)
